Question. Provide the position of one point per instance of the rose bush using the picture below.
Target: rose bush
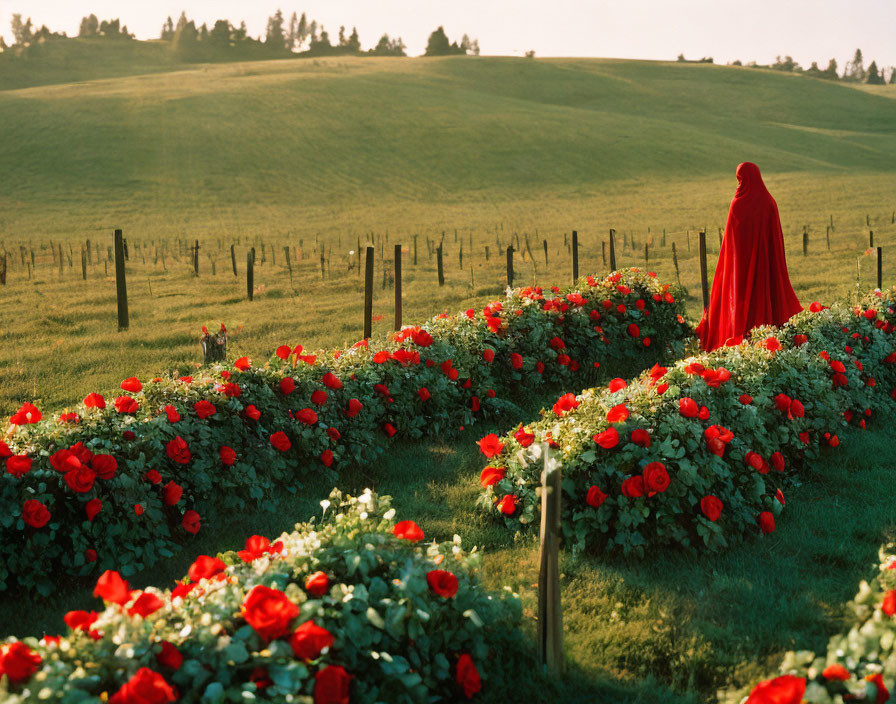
(123, 483)
(701, 453)
(860, 662)
(398, 620)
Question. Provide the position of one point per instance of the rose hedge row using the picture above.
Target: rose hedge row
(353, 608)
(700, 453)
(860, 663)
(123, 482)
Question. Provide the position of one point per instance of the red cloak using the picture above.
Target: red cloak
(751, 286)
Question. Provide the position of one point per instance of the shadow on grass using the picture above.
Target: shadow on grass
(672, 628)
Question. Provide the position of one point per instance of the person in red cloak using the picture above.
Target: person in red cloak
(751, 286)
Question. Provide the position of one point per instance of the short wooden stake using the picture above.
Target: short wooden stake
(510, 265)
(121, 288)
(441, 270)
(250, 272)
(398, 287)
(612, 249)
(196, 259)
(545, 245)
(880, 269)
(871, 238)
(829, 237)
(675, 262)
(805, 242)
(84, 264)
(233, 258)
(368, 294)
(704, 283)
(575, 256)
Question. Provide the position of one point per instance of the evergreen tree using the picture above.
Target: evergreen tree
(293, 39)
(873, 77)
(438, 44)
(831, 71)
(167, 30)
(312, 32)
(22, 32)
(813, 70)
(389, 47)
(354, 41)
(342, 40)
(892, 75)
(181, 22)
(203, 33)
(302, 31)
(274, 38)
(89, 26)
(855, 69)
(186, 42)
(219, 37)
(241, 34)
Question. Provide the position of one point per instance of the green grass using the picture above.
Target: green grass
(674, 628)
(326, 153)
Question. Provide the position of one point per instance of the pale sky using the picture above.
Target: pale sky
(808, 30)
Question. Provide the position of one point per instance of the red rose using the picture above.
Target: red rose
(153, 476)
(804, 437)
(815, 307)
(283, 351)
(18, 662)
(565, 403)
(633, 330)
(703, 414)
(782, 403)
(746, 399)
(129, 435)
(228, 456)
(488, 355)
(523, 438)
(18, 465)
(171, 493)
(205, 567)
(138, 509)
(766, 522)
(204, 409)
(331, 685)
(424, 394)
(797, 410)
(838, 366)
(26, 415)
(389, 429)
(786, 689)
(80, 480)
(319, 397)
(307, 416)
(354, 408)
(889, 603)
(688, 407)
(132, 384)
(507, 505)
(80, 620)
(490, 445)
(243, 363)
(883, 694)
(711, 507)
(280, 441)
(178, 450)
(308, 640)
(93, 507)
(191, 522)
(327, 458)
(126, 404)
(408, 530)
(268, 611)
(772, 344)
(516, 361)
(835, 672)
(616, 385)
(331, 381)
(317, 584)
(618, 414)
(467, 676)
(595, 497)
(633, 487)
(800, 340)
(754, 459)
(112, 588)
(640, 437)
(145, 605)
(145, 687)
(171, 412)
(607, 439)
(491, 476)
(442, 583)
(94, 400)
(169, 656)
(777, 461)
(252, 412)
(656, 478)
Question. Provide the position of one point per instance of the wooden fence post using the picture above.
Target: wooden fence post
(575, 256)
(603, 251)
(545, 245)
(415, 250)
(704, 284)
(439, 265)
(250, 272)
(83, 264)
(3, 270)
(880, 279)
(510, 265)
(196, 259)
(233, 258)
(829, 237)
(612, 249)
(460, 257)
(550, 613)
(486, 254)
(368, 294)
(675, 262)
(121, 289)
(871, 238)
(664, 237)
(805, 242)
(646, 259)
(398, 287)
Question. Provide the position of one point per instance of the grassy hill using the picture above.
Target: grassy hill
(320, 155)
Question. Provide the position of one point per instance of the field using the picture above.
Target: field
(319, 156)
